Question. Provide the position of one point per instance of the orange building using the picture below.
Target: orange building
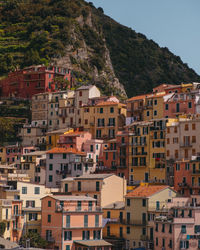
(69, 222)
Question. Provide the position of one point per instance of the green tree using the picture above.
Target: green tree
(35, 240)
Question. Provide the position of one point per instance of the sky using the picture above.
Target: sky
(170, 23)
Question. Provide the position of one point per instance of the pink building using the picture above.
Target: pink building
(180, 103)
(180, 229)
(72, 222)
(74, 139)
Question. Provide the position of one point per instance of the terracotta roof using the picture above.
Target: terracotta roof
(106, 103)
(65, 151)
(146, 191)
(139, 97)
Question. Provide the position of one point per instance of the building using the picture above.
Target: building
(179, 229)
(114, 229)
(34, 164)
(33, 136)
(45, 109)
(141, 206)
(32, 80)
(187, 176)
(104, 119)
(182, 138)
(182, 103)
(52, 137)
(135, 108)
(105, 188)
(72, 222)
(63, 162)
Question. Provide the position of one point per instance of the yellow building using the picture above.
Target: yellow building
(106, 188)
(53, 137)
(104, 119)
(141, 206)
(115, 229)
(139, 155)
(147, 151)
(154, 106)
(32, 219)
(6, 216)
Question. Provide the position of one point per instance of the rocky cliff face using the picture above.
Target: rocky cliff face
(80, 58)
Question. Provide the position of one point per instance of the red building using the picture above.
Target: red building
(187, 176)
(33, 80)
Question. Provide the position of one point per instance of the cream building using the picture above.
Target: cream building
(106, 188)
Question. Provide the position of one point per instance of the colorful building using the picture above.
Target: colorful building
(141, 206)
(33, 80)
(63, 162)
(71, 222)
(105, 188)
(180, 228)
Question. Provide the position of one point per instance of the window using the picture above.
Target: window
(49, 218)
(170, 228)
(68, 235)
(156, 229)
(64, 156)
(183, 229)
(50, 178)
(128, 202)
(96, 220)
(193, 126)
(147, 113)
(155, 112)
(186, 127)
(163, 242)
(101, 110)
(166, 106)
(80, 93)
(24, 190)
(79, 206)
(163, 228)
(67, 247)
(79, 186)
(97, 186)
(49, 203)
(85, 220)
(37, 190)
(143, 231)
(128, 230)
(144, 202)
(170, 243)
(50, 167)
(111, 110)
(184, 244)
(68, 220)
(189, 105)
(193, 139)
(177, 167)
(28, 130)
(155, 102)
(91, 148)
(50, 155)
(156, 241)
(108, 214)
(108, 230)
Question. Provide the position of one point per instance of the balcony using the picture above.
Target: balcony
(60, 208)
(133, 222)
(186, 145)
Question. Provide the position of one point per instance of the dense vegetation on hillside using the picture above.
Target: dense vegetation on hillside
(37, 31)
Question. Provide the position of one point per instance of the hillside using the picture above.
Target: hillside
(76, 35)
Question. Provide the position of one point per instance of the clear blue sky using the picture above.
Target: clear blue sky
(170, 23)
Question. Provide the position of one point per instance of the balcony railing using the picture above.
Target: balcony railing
(186, 145)
(98, 209)
(50, 239)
